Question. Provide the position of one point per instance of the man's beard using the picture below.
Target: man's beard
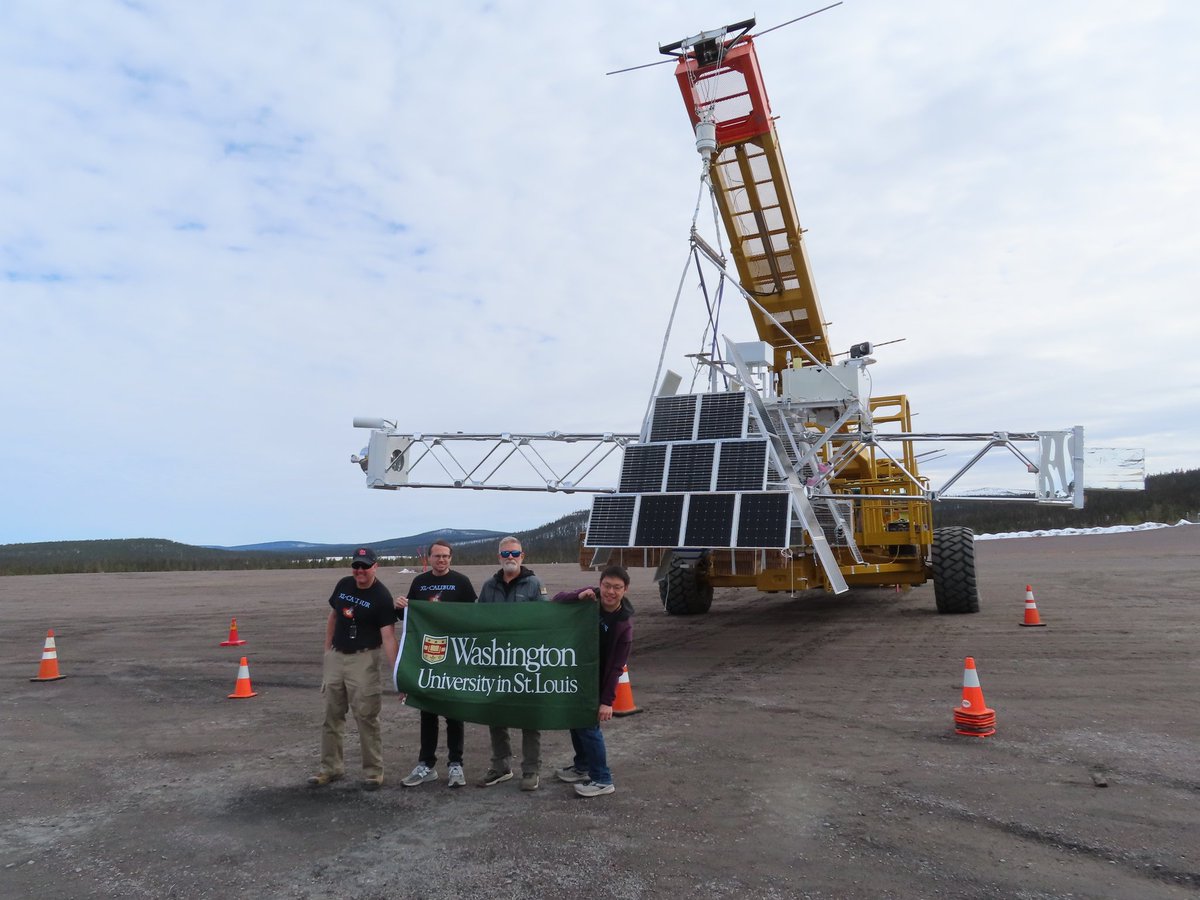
(510, 565)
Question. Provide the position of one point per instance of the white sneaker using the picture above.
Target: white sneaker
(421, 774)
(593, 789)
(455, 777)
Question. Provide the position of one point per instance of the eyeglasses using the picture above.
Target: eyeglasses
(360, 566)
(509, 554)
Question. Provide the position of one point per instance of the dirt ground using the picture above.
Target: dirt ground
(790, 746)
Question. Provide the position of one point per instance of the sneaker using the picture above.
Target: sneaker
(571, 775)
(323, 778)
(593, 789)
(530, 781)
(421, 774)
(372, 783)
(455, 777)
(492, 776)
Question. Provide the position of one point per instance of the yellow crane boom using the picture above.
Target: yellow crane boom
(723, 85)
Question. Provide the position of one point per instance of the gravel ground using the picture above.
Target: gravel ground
(790, 746)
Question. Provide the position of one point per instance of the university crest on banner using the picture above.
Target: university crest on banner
(433, 649)
(521, 665)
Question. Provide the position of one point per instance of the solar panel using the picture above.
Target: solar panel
(659, 518)
(674, 418)
(642, 469)
(750, 520)
(764, 520)
(743, 466)
(691, 467)
(698, 481)
(722, 416)
(710, 520)
(611, 521)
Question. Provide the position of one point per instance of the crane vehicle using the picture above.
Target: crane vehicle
(785, 473)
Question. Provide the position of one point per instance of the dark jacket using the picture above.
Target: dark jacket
(616, 640)
(522, 589)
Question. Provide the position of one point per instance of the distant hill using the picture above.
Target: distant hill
(126, 555)
(401, 546)
(555, 542)
(1168, 498)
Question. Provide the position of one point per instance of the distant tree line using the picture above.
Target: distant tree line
(555, 542)
(132, 555)
(1167, 498)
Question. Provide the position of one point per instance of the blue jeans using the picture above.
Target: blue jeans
(590, 753)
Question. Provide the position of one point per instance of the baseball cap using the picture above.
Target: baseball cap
(363, 555)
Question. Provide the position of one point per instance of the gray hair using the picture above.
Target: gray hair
(510, 540)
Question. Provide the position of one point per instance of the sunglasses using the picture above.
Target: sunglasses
(509, 554)
(360, 566)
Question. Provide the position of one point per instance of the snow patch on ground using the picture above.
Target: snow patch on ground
(1060, 532)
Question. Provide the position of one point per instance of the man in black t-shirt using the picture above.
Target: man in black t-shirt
(360, 630)
(439, 584)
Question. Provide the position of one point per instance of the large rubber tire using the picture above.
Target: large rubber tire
(953, 562)
(686, 591)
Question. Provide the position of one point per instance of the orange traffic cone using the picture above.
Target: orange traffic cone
(973, 718)
(242, 689)
(233, 641)
(48, 670)
(623, 704)
(1032, 618)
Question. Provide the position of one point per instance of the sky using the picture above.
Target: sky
(228, 229)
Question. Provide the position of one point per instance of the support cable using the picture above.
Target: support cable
(670, 323)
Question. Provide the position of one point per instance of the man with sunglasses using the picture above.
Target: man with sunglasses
(513, 584)
(439, 584)
(360, 630)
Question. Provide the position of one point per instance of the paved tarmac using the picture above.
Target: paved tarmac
(790, 746)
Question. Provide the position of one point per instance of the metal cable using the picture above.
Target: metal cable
(670, 322)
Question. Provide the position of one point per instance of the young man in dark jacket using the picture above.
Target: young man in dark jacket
(589, 771)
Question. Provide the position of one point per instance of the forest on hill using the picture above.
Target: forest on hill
(557, 541)
(1168, 498)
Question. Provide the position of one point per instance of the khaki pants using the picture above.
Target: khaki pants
(351, 682)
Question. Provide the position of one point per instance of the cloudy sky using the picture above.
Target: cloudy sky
(230, 228)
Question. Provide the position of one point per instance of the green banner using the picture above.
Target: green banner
(524, 665)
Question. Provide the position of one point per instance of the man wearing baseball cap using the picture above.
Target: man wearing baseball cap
(359, 634)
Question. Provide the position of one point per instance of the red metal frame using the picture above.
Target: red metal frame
(742, 59)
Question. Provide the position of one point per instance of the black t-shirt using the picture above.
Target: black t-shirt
(360, 614)
(453, 587)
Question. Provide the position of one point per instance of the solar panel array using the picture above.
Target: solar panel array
(743, 519)
(679, 467)
(699, 481)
